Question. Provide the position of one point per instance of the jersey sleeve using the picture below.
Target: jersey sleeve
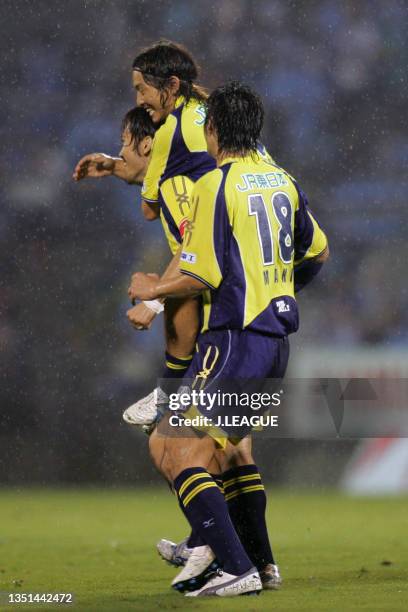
(310, 239)
(204, 242)
(175, 202)
(159, 159)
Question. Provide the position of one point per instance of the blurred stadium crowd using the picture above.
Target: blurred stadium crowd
(333, 79)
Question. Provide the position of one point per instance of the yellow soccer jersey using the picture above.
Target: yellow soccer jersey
(249, 225)
(179, 148)
(175, 200)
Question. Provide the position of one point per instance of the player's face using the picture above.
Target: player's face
(137, 158)
(212, 140)
(151, 99)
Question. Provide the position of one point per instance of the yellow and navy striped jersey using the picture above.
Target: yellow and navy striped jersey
(248, 227)
(179, 148)
(175, 199)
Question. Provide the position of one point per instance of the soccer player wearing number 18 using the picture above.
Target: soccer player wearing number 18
(250, 243)
(263, 234)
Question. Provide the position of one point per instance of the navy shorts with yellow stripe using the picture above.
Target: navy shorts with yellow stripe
(230, 364)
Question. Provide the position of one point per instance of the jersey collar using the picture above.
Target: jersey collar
(180, 100)
(246, 159)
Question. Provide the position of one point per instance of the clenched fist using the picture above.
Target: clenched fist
(143, 286)
(141, 317)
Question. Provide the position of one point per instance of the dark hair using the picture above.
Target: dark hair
(165, 59)
(139, 124)
(237, 114)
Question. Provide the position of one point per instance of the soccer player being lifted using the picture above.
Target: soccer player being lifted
(250, 244)
(247, 502)
(163, 77)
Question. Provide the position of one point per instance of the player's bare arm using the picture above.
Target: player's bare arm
(131, 164)
(177, 284)
(170, 273)
(142, 316)
(150, 210)
(99, 165)
(94, 165)
(145, 287)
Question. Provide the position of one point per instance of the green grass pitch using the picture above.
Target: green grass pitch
(335, 553)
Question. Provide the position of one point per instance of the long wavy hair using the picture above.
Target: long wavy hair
(165, 59)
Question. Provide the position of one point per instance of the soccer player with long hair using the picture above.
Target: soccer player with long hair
(164, 80)
(252, 244)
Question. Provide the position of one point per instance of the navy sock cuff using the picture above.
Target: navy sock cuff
(178, 481)
(190, 482)
(178, 362)
(242, 480)
(241, 470)
(174, 369)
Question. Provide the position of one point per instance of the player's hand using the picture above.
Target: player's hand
(141, 317)
(94, 165)
(143, 286)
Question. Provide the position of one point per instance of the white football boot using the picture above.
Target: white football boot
(145, 411)
(270, 577)
(200, 565)
(227, 585)
(175, 554)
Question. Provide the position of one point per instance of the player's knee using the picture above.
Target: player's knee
(184, 453)
(236, 456)
(239, 458)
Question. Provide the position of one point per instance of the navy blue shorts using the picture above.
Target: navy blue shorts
(230, 368)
